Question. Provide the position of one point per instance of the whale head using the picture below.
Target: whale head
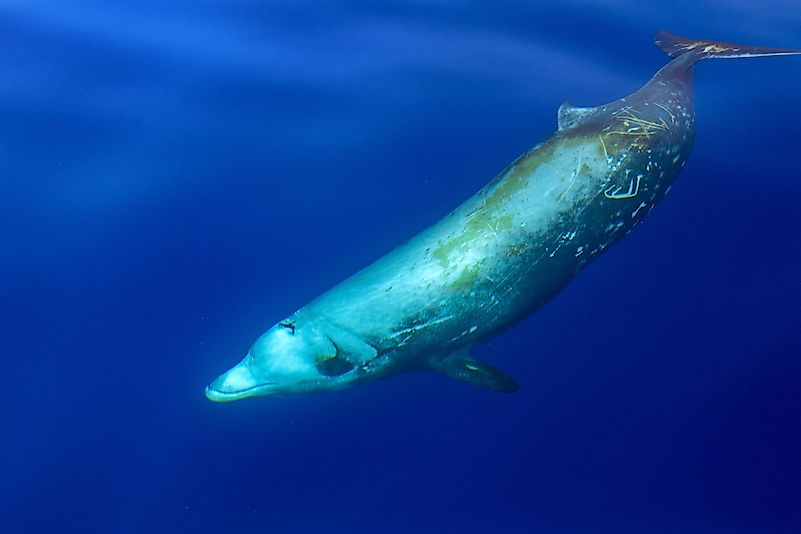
(291, 357)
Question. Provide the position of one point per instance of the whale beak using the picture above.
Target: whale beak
(237, 383)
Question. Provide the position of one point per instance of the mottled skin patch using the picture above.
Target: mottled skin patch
(468, 276)
(489, 214)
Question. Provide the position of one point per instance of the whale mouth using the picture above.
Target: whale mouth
(276, 390)
(228, 396)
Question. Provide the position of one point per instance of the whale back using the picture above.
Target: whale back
(686, 52)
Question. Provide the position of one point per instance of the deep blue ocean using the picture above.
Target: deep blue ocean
(179, 175)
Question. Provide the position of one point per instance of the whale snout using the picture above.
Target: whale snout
(237, 383)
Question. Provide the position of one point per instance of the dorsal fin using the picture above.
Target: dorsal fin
(570, 116)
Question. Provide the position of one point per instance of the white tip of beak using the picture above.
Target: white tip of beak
(234, 384)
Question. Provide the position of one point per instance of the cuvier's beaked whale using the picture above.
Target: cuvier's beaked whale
(499, 256)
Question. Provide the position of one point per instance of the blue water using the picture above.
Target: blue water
(179, 175)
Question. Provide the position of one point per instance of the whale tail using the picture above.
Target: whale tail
(675, 46)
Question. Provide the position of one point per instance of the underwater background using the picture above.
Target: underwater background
(179, 175)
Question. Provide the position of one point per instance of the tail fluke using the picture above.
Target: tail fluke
(675, 46)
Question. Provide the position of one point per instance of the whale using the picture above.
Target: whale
(500, 255)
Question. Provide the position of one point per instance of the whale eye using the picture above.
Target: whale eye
(289, 326)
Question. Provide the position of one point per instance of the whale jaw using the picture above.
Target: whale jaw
(242, 382)
(237, 383)
(229, 396)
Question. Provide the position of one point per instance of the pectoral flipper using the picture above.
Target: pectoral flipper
(460, 366)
